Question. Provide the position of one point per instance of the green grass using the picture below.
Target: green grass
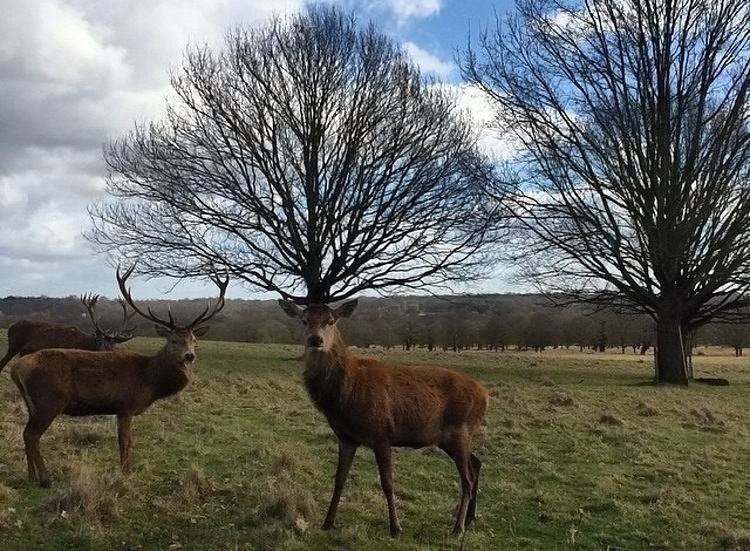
(241, 460)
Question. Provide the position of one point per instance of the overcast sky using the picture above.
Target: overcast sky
(76, 73)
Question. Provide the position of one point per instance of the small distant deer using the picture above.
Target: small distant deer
(119, 382)
(370, 403)
(26, 336)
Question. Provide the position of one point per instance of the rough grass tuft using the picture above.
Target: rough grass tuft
(292, 508)
(83, 436)
(610, 418)
(706, 417)
(91, 493)
(195, 485)
(7, 494)
(284, 462)
(646, 409)
(561, 398)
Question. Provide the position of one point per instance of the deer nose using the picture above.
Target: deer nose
(315, 341)
(189, 357)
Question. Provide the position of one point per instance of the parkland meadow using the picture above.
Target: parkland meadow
(580, 451)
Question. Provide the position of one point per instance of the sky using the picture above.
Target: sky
(77, 73)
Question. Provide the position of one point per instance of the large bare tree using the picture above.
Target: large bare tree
(308, 157)
(632, 120)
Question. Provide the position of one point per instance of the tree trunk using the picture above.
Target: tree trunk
(671, 364)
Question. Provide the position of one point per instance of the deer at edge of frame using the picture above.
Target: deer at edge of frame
(119, 382)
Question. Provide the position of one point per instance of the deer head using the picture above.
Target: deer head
(106, 339)
(180, 339)
(319, 321)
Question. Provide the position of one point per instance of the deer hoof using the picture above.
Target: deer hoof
(44, 483)
(327, 525)
(395, 531)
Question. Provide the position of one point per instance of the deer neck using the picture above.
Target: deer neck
(168, 376)
(328, 374)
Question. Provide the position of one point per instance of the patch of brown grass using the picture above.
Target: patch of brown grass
(284, 462)
(646, 409)
(7, 495)
(704, 417)
(610, 418)
(729, 540)
(86, 491)
(195, 485)
(561, 398)
(292, 508)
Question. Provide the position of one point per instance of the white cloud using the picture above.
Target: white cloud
(74, 74)
(427, 62)
(53, 41)
(404, 10)
(483, 114)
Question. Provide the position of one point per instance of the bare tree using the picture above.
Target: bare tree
(633, 121)
(310, 158)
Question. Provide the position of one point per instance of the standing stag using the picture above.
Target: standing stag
(367, 402)
(119, 382)
(26, 336)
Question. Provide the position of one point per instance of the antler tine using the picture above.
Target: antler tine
(89, 301)
(204, 316)
(126, 317)
(125, 291)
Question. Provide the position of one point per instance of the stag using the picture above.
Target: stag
(26, 336)
(119, 382)
(370, 403)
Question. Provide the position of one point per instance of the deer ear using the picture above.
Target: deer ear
(345, 310)
(290, 309)
(162, 331)
(200, 331)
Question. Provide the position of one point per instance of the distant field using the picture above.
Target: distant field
(580, 452)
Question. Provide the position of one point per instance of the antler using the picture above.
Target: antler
(125, 291)
(204, 316)
(124, 333)
(89, 301)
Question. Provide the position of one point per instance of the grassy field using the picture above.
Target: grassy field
(579, 451)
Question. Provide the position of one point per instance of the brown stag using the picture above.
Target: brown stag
(370, 403)
(119, 382)
(26, 336)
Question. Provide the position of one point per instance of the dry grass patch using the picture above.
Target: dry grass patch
(703, 417)
(93, 494)
(729, 540)
(646, 409)
(7, 494)
(195, 486)
(561, 398)
(610, 418)
(284, 462)
(292, 508)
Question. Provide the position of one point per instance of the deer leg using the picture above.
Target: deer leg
(38, 423)
(125, 440)
(475, 464)
(457, 447)
(383, 458)
(346, 456)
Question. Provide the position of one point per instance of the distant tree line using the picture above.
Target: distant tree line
(451, 323)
